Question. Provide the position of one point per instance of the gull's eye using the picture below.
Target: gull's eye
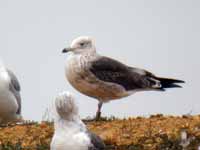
(82, 44)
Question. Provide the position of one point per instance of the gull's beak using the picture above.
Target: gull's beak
(65, 50)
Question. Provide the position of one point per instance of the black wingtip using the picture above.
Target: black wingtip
(174, 86)
(178, 81)
(170, 83)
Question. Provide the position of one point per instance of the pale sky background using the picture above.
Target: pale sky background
(160, 36)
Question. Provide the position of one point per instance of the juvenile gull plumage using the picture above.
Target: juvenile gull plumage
(70, 132)
(107, 79)
(10, 100)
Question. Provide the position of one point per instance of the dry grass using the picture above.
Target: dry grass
(154, 133)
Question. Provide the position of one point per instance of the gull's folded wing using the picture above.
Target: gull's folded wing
(110, 70)
(15, 89)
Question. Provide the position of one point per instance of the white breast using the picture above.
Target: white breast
(85, 82)
(70, 139)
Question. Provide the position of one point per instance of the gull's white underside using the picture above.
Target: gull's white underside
(84, 81)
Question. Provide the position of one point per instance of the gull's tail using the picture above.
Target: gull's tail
(169, 83)
(65, 105)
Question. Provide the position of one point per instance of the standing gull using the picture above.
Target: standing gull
(70, 132)
(10, 100)
(107, 79)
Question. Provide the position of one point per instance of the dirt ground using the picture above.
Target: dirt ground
(157, 132)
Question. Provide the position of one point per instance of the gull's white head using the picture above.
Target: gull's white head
(66, 106)
(81, 44)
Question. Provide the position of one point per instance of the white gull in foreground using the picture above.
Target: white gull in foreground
(10, 100)
(70, 132)
(105, 78)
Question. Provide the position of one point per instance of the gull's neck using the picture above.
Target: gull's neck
(82, 57)
(76, 61)
(72, 122)
(86, 52)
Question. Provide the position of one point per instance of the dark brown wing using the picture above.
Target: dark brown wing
(110, 70)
